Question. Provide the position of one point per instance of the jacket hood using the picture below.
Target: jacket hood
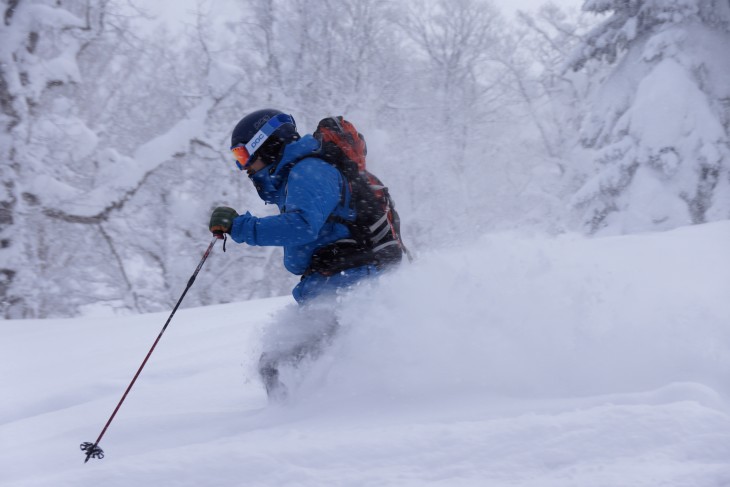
(268, 181)
(305, 147)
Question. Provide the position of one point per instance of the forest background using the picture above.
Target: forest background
(115, 122)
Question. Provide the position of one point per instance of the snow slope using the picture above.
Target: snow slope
(515, 361)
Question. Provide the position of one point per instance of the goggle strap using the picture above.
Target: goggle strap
(265, 132)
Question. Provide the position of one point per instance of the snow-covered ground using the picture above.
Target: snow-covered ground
(515, 361)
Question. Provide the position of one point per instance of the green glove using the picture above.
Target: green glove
(221, 220)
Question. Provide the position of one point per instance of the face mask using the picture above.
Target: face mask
(263, 181)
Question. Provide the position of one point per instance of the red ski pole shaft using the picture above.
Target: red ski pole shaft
(93, 450)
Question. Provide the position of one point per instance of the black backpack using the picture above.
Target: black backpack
(375, 231)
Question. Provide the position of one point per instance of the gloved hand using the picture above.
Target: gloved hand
(221, 220)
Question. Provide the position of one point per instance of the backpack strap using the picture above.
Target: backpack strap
(377, 244)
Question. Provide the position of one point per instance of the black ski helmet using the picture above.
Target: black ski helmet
(273, 147)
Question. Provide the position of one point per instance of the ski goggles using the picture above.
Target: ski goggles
(244, 152)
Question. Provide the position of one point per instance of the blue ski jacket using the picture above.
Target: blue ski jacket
(307, 191)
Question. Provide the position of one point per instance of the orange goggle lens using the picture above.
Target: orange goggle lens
(242, 156)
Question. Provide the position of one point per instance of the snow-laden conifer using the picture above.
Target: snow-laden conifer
(657, 132)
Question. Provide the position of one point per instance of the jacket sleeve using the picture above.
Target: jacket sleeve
(313, 192)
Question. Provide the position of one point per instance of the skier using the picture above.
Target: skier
(313, 197)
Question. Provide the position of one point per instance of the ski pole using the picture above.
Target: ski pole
(92, 449)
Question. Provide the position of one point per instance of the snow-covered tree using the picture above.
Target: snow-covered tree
(84, 130)
(544, 113)
(657, 131)
(457, 39)
(42, 141)
(552, 96)
(455, 100)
